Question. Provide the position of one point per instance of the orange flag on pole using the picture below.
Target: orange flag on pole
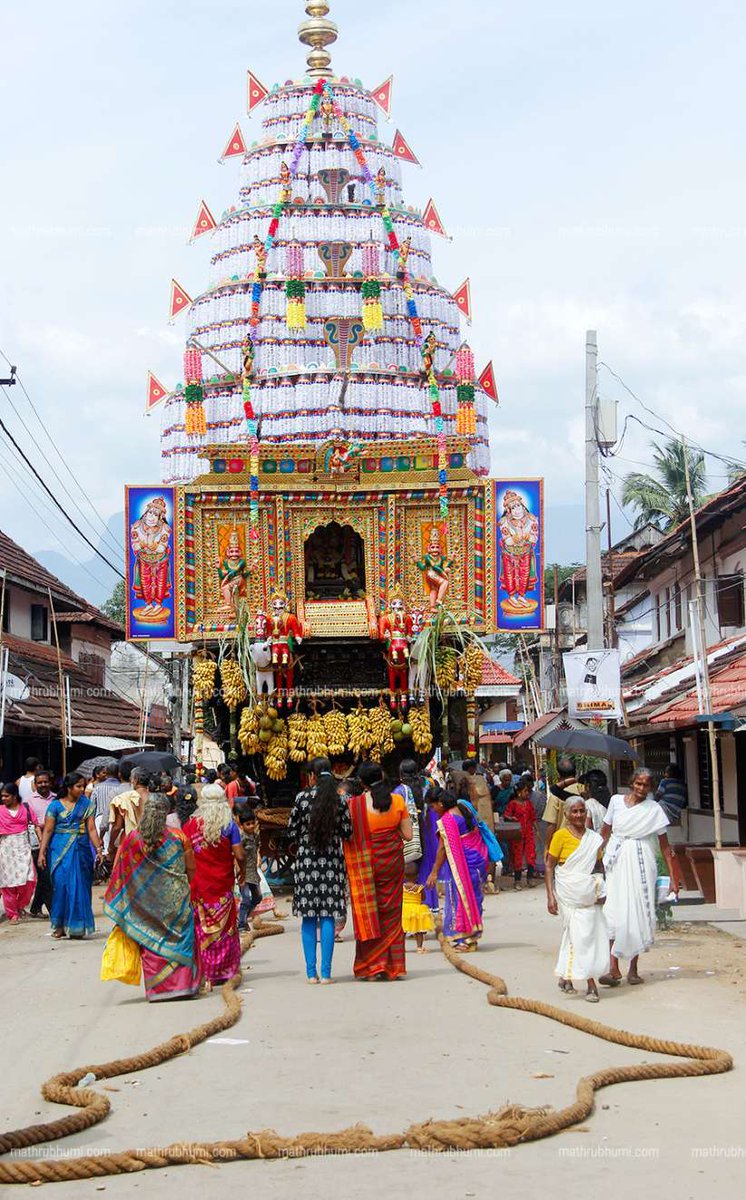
(235, 144)
(432, 220)
(204, 223)
(255, 91)
(462, 296)
(180, 300)
(487, 383)
(382, 95)
(156, 392)
(402, 149)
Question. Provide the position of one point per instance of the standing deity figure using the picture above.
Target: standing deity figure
(232, 572)
(519, 533)
(283, 629)
(380, 186)
(260, 250)
(395, 628)
(286, 182)
(436, 569)
(429, 346)
(149, 538)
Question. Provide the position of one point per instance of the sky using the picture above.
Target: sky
(586, 160)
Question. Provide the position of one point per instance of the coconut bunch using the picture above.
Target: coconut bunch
(203, 678)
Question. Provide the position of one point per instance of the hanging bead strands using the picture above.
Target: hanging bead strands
(252, 432)
(371, 290)
(295, 288)
(194, 419)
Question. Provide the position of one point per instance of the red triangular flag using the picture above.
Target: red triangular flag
(204, 223)
(255, 91)
(432, 221)
(235, 144)
(382, 95)
(180, 300)
(402, 150)
(487, 383)
(156, 392)
(462, 296)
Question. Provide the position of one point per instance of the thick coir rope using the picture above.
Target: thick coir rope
(507, 1127)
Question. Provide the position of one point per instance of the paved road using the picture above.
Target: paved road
(387, 1055)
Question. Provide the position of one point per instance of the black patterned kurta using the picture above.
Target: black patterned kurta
(320, 878)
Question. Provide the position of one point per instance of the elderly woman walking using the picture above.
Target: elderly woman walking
(576, 894)
(219, 860)
(319, 823)
(148, 897)
(634, 827)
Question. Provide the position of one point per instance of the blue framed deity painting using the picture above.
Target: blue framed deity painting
(519, 560)
(149, 516)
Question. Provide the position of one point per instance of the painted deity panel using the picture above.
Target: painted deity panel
(151, 601)
(519, 565)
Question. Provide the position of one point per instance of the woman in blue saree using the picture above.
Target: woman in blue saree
(69, 830)
(148, 897)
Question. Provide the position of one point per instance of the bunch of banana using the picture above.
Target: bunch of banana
(248, 731)
(297, 737)
(234, 687)
(446, 668)
(203, 678)
(316, 746)
(276, 750)
(335, 728)
(380, 727)
(359, 735)
(422, 737)
(472, 661)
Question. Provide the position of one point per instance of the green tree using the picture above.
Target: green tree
(660, 499)
(115, 607)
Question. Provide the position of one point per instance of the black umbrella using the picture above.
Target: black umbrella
(588, 741)
(152, 760)
(89, 765)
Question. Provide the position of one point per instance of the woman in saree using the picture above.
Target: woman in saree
(633, 829)
(17, 874)
(149, 898)
(69, 830)
(375, 867)
(463, 858)
(575, 893)
(219, 860)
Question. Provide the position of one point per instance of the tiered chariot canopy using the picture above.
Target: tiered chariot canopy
(305, 267)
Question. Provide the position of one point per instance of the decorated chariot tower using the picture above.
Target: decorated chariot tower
(337, 550)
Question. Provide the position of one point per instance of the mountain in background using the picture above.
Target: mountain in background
(91, 578)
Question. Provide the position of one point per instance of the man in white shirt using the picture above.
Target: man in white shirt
(26, 786)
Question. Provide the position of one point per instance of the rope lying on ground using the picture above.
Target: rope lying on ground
(508, 1127)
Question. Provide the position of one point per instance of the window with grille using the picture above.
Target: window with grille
(39, 623)
(730, 601)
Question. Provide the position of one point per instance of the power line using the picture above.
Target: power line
(56, 502)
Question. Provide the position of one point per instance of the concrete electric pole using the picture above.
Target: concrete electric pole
(594, 585)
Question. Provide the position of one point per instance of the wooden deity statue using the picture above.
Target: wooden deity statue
(395, 628)
(286, 182)
(260, 250)
(519, 533)
(380, 186)
(436, 568)
(429, 346)
(283, 629)
(232, 573)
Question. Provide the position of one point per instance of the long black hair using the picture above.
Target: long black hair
(70, 781)
(411, 775)
(449, 799)
(374, 780)
(324, 818)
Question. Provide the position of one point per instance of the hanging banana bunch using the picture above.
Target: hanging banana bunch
(248, 731)
(316, 745)
(297, 734)
(380, 725)
(203, 678)
(276, 750)
(472, 662)
(446, 668)
(335, 729)
(359, 734)
(422, 737)
(234, 687)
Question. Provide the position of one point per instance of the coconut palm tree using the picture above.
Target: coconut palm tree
(661, 499)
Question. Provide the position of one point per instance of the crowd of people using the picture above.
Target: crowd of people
(184, 873)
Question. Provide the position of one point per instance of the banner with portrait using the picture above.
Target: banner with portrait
(594, 686)
(519, 558)
(151, 590)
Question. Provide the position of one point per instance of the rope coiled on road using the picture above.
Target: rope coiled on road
(509, 1126)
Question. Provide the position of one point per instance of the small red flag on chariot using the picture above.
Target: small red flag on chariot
(235, 144)
(180, 300)
(487, 383)
(432, 220)
(204, 223)
(156, 392)
(403, 150)
(255, 91)
(382, 95)
(462, 296)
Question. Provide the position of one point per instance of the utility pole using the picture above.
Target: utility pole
(706, 689)
(176, 703)
(594, 585)
(557, 656)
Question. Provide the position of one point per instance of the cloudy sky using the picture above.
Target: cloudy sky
(586, 159)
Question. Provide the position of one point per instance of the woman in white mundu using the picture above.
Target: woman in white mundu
(633, 828)
(575, 893)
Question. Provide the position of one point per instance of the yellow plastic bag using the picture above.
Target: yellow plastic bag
(121, 958)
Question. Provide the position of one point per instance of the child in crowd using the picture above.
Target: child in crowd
(520, 809)
(250, 890)
(416, 917)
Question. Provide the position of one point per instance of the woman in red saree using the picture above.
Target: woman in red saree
(219, 858)
(375, 868)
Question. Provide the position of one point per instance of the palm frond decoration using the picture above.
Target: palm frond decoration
(244, 634)
(444, 633)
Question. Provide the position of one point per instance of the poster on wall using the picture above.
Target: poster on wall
(593, 683)
(519, 561)
(149, 517)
